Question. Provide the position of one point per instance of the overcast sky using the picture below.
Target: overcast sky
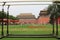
(34, 9)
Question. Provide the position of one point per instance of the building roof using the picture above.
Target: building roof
(43, 12)
(26, 16)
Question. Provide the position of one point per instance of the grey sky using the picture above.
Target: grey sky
(34, 9)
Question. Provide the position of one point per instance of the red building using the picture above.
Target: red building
(27, 18)
(43, 17)
(10, 21)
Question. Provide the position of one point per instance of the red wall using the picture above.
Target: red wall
(43, 20)
(27, 21)
(10, 21)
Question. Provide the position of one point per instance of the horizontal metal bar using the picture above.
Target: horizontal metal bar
(31, 36)
(26, 4)
(24, 1)
(7, 3)
(23, 4)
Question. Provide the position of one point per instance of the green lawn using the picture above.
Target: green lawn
(25, 29)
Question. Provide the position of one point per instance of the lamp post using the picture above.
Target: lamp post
(2, 18)
(8, 19)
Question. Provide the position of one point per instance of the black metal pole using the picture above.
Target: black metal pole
(56, 9)
(56, 23)
(2, 18)
(53, 28)
(56, 26)
(8, 19)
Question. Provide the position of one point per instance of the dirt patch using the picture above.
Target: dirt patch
(36, 27)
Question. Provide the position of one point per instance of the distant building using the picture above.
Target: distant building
(10, 21)
(43, 17)
(27, 18)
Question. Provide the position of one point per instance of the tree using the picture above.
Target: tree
(12, 17)
(54, 12)
(4, 15)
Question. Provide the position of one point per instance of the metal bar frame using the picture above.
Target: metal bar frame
(24, 1)
(2, 25)
(27, 36)
(30, 36)
(57, 31)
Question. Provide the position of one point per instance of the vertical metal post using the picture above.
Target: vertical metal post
(56, 23)
(56, 9)
(8, 20)
(53, 28)
(56, 26)
(2, 17)
(52, 20)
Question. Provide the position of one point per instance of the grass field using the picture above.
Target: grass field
(29, 29)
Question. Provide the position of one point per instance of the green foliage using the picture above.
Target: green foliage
(4, 15)
(54, 12)
(12, 17)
